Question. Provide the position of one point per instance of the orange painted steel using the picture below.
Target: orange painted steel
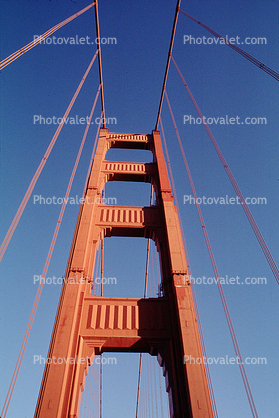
(88, 325)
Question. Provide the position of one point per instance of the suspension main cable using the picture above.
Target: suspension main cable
(259, 64)
(100, 61)
(32, 184)
(38, 294)
(40, 38)
(220, 288)
(246, 209)
(168, 61)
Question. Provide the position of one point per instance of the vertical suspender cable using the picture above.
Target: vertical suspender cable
(148, 385)
(155, 388)
(145, 294)
(161, 396)
(102, 265)
(153, 273)
(151, 386)
(148, 248)
(101, 365)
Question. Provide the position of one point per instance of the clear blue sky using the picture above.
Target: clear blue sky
(43, 81)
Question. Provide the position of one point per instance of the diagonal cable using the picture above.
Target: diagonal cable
(11, 58)
(246, 209)
(249, 57)
(220, 288)
(36, 301)
(27, 195)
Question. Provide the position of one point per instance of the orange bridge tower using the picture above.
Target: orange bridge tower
(88, 325)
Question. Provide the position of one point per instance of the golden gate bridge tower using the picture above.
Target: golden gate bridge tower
(87, 325)
(166, 327)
